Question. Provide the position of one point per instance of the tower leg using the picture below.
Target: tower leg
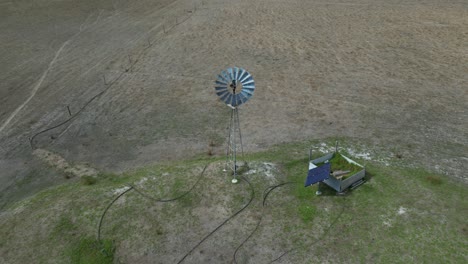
(234, 144)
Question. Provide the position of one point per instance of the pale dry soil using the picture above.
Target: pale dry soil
(390, 73)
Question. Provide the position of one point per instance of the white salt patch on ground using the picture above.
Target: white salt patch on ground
(268, 169)
(120, 190)
(362, 155)
(386, 163)
(18, 209)
(402, 210)
(263, 169)
(324, 148)
(252, 171)
(142, 181)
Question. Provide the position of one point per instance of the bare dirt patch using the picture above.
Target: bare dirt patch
(61, 164)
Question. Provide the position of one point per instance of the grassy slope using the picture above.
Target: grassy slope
(60, 224)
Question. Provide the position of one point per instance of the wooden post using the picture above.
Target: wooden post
(129, 61)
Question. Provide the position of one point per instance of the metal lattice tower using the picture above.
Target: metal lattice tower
(234, 143)
(234, 87)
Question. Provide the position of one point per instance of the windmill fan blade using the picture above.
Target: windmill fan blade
(229, 99)
(231, 74)
(251, 87)
(245, 78)
(222, 80)
(218, 88)
(248, 91)
(221, 93)
(243, 98)
(243, 74)
(248, 82)
(224, 97)
(226, 76)
(239, 99)
(221, 83)
(234, 100)
(245, 94)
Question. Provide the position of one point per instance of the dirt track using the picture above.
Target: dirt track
(389, 73)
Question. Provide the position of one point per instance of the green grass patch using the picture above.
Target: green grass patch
(26, 180)
(339, 163)
(88, 180)
(434, 180)
(64, 226)
(89, 251)
(306, 212)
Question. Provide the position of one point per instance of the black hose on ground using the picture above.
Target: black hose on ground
(131, 187)
(252, 195)
(102, 219)
(31, 139)
(132, 63)
(105, 211)
(271, 188)
(316, 241)
(160, 200)
(266, 192)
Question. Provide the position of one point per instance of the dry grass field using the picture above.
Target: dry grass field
(113, 85)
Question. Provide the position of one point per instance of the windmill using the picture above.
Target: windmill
(234, 87)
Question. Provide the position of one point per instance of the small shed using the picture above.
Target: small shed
(335, 170)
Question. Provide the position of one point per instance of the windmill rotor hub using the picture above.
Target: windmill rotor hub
(235, 87)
